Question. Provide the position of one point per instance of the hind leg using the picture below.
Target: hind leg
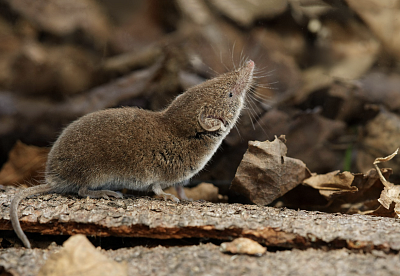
(181, 192)
(84, 192)
(158, 191)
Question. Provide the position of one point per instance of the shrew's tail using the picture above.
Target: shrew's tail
(40, 189)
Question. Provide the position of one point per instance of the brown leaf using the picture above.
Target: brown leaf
(79, 257)
(144, 24)
(382, 18)
(196, 10)
(381, 88)
(364, 199)
(332, 183)
(356, 192)
(381, 211)
(51, 70)
(380, 136)
(369, 186)
(64, 17)
(352, 52)
(265, 172)
(246, 12)
(243, 246)
(311, 138)
(391, 192)
(24, 164)
(310, 9)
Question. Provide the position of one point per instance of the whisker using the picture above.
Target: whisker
(266, 86)
(254, 116)
(259, 97)
(242, 58)
(258, 117)
(263, 74)
(251, 118)
(219, 53)
(237, 129)
(226, 67)
(233, 50)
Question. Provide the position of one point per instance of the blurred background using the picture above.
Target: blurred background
(328, 72)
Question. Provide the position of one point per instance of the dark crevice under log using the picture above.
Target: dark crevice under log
(54, 214)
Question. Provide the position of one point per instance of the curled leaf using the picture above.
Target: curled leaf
(333, 183)
(391, 192)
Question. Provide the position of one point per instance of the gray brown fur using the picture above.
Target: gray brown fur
(142, 150)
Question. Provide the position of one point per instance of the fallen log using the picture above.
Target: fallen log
(55, 214)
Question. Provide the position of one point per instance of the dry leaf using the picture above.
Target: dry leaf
(310, 9)
(245, 12)
(391, 192)
(369, 186)
(381, 88)
(64, 17)
(352, 52)
(196, 10)
(79, 257)
(265, 172)
(52, 70)
(142, 26)
(382, 17)
(243, 246)
(381, 211)
(333, 183)
(25, 163)
(381, 136)
(350, 193)
(311, 138)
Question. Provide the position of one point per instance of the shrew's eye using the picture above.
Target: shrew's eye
(230, 95)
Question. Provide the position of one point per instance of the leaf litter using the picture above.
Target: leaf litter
(266, 174)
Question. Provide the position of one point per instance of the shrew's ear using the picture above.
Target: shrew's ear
(209, 122)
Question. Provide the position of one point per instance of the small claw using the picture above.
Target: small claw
(159, 192)
(181, 193)
(170, 197)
